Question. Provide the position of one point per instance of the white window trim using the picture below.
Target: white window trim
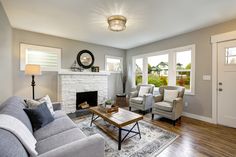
(114, 57)
(172, 66)
(24, 46)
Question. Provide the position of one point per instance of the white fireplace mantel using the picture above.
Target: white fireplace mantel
(69, 72)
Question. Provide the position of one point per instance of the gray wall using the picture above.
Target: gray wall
(47, 82)
(5, 56)
(200, 103)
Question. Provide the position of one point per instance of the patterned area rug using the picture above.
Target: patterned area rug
(154, 139)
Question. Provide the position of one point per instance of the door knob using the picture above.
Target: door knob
(220, 89)
(220, 83)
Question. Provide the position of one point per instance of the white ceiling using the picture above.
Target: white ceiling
(148, 20)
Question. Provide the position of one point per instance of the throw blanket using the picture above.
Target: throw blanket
(17, 128)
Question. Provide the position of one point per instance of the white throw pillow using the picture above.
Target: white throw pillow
(49, 103)
(34, 103)
(143, 90)
(170, 95)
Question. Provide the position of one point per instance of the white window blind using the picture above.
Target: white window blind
(48, 58)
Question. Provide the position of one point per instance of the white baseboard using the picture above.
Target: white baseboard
(198, 117)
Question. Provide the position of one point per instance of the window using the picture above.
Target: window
(138, 71)
(230, 55)
(113, 64)
(158, 70)
(183, 69)
(170, 67)
(47, 57)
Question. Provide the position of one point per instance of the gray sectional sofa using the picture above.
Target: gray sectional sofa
(60, 138)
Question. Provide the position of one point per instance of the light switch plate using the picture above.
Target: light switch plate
(206, 77)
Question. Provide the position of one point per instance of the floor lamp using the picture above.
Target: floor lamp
(32, 69)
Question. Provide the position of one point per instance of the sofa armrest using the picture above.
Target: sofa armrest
(56, 106)
(133, 94)
(92, 146)
(158, 98)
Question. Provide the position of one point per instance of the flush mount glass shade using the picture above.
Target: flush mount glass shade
(32, 69)
(116, 23)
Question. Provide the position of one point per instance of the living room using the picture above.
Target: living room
(163, 68)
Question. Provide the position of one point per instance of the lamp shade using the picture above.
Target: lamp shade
(32, 69)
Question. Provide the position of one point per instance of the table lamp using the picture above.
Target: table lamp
(32, 69)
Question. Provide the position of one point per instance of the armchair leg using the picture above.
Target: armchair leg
(174, 121)
(152, 116)
(129, 108)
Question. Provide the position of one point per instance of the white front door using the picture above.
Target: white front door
(227, 83)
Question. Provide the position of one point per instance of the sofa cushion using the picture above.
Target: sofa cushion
(10, 146)
(14, 107)
(39, 116)
(59, 114)
(55, 127)
(166, 106)
(138, 100)
(58, 140)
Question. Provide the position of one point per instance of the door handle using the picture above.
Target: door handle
(220, 89)
(220, 83)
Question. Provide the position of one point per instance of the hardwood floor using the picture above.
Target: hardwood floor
(197, 138)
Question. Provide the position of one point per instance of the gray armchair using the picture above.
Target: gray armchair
(144, 102)
(172, 110)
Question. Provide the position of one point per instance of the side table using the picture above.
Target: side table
(121, 100)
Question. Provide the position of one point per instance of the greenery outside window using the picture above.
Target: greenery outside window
(170, 67)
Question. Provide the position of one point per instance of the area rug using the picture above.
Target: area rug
(154, 139)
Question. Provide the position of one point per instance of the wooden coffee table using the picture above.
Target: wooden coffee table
(119, 119)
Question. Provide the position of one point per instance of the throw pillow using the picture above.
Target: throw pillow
(143, 90)
(49, 103)
(40, 116)
(170, 95)
(33, 103)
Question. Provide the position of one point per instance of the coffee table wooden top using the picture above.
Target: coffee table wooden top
(119, 119)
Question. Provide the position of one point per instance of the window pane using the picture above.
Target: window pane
(183, 69)
(113, 64)
(183, 79)
(138, 71)
(230, 56)
(158, 70)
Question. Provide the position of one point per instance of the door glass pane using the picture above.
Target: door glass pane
(138, 71)
(183, 69)
(158, 70)
(230, 55)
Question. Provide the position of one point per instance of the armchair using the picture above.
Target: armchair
(172, 110)
(142, 100)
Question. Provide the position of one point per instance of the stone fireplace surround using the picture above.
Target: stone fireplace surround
(69, 83)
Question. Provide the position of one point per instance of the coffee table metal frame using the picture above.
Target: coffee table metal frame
(120, 139)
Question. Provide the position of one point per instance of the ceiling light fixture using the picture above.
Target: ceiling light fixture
(116, 23)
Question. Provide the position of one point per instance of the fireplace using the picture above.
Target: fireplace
(90, 97)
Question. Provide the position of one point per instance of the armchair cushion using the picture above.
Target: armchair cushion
(170, 95)
(143, 90)
(138, 100)
(166, 106)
